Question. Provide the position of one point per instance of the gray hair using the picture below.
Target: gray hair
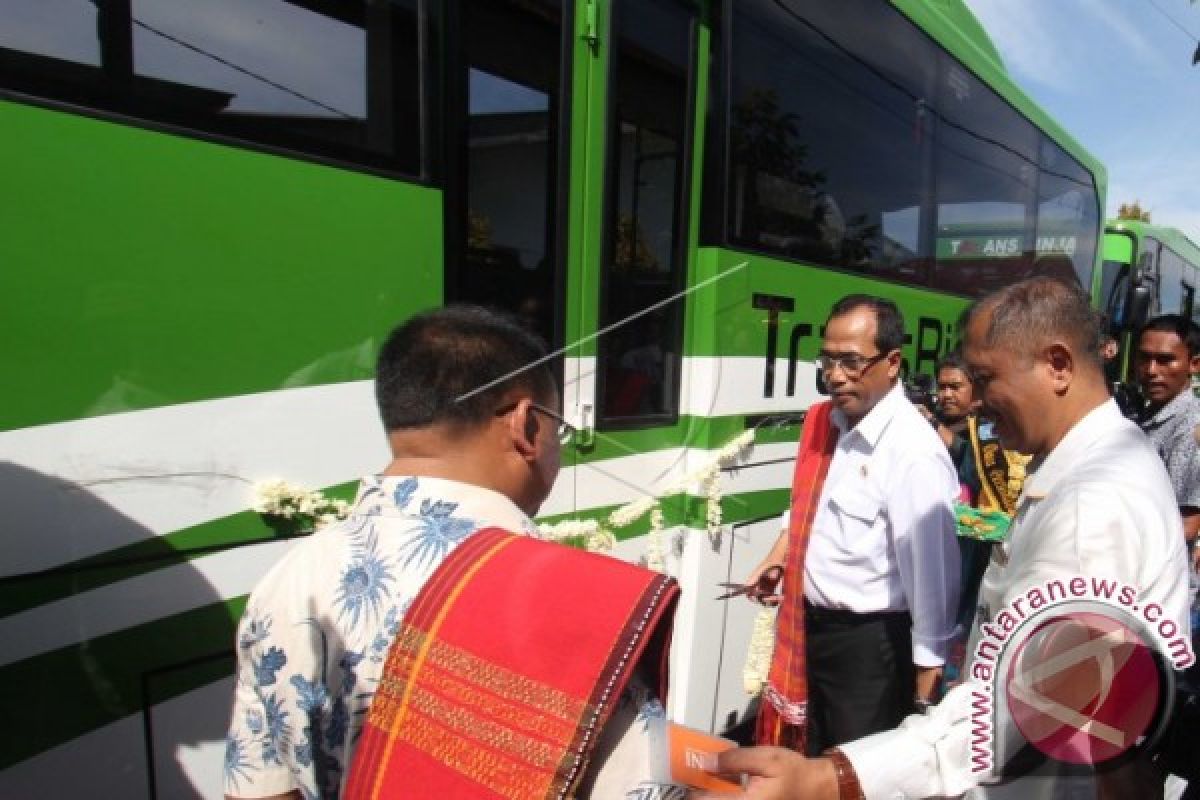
(1027, 315)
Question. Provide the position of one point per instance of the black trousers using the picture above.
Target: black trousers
(861, 678)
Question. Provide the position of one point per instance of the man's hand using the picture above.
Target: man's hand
(927, 681)
(776, 774)
(766, 584)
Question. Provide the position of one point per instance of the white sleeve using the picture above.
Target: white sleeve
(929, 755)
(921, 512)
(1101, 532)
(1091, 532)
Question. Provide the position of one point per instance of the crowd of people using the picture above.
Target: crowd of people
(910, 528)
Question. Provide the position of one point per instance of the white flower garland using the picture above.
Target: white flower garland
(758, 655)
(277, 497)
(706, 479)
(596, 539)
(310, 509)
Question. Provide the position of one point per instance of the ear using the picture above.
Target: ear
(522, 427)
(1060, 365)
(1194, 364)
(894, 360)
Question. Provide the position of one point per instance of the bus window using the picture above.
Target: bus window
(1152, 265)
(1068, 217)
(1114, 285)
(507, 254)
(829, 135)
(193, 44)
(237, 69)
(985, 174)
(61, 29)
(638, 363)
(1170, 282)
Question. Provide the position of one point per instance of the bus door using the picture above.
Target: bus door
(568, 193)
(633, 150)
(508, 135)
(565, 129)
(506, 93)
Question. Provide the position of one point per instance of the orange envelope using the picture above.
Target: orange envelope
(685, 756)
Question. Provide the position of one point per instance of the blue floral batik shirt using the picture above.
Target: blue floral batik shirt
(317, 630)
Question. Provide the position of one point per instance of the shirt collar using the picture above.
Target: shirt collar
(404, 495)
(1177, 406)
(1059, 461)
(872, 426)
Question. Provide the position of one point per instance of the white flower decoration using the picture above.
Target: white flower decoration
(278, 498)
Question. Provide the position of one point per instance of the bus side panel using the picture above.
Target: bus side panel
(181, 320)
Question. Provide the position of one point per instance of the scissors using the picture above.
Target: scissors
(754, 591)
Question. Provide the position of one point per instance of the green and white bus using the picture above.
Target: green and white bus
(1146, 270)
(1162, 260)
(212, 212)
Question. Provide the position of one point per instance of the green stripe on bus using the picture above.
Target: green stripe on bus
(691, 511)
(97, 682)
(696, 432)
(54, 697)
(85, 686)
(21, 592)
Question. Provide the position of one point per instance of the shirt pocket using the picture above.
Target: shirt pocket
(858, 500)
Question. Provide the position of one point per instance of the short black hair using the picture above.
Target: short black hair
(889, 322)
(455, 365)
(1026, 315)
(1181, 326)
(953, 360)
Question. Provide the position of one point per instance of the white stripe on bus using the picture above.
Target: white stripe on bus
(79, 488)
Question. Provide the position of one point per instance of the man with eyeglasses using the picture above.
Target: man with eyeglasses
(1097, 503)
(422, 645)
(870, 582)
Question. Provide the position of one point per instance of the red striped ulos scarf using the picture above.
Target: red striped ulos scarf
(510, 660)
(784, 710)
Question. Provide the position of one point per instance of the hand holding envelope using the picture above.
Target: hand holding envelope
(774, 773)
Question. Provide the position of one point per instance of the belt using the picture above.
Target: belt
(841, 616)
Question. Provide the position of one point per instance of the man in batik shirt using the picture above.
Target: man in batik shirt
(475, 436)
(1167, 355)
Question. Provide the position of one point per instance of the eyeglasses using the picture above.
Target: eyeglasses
(852, 364)
(565, 430)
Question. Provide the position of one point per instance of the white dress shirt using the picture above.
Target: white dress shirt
(1100, 504)
(883, 536)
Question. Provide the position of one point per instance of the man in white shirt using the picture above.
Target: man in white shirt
(1097, 504)
(881, 569)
